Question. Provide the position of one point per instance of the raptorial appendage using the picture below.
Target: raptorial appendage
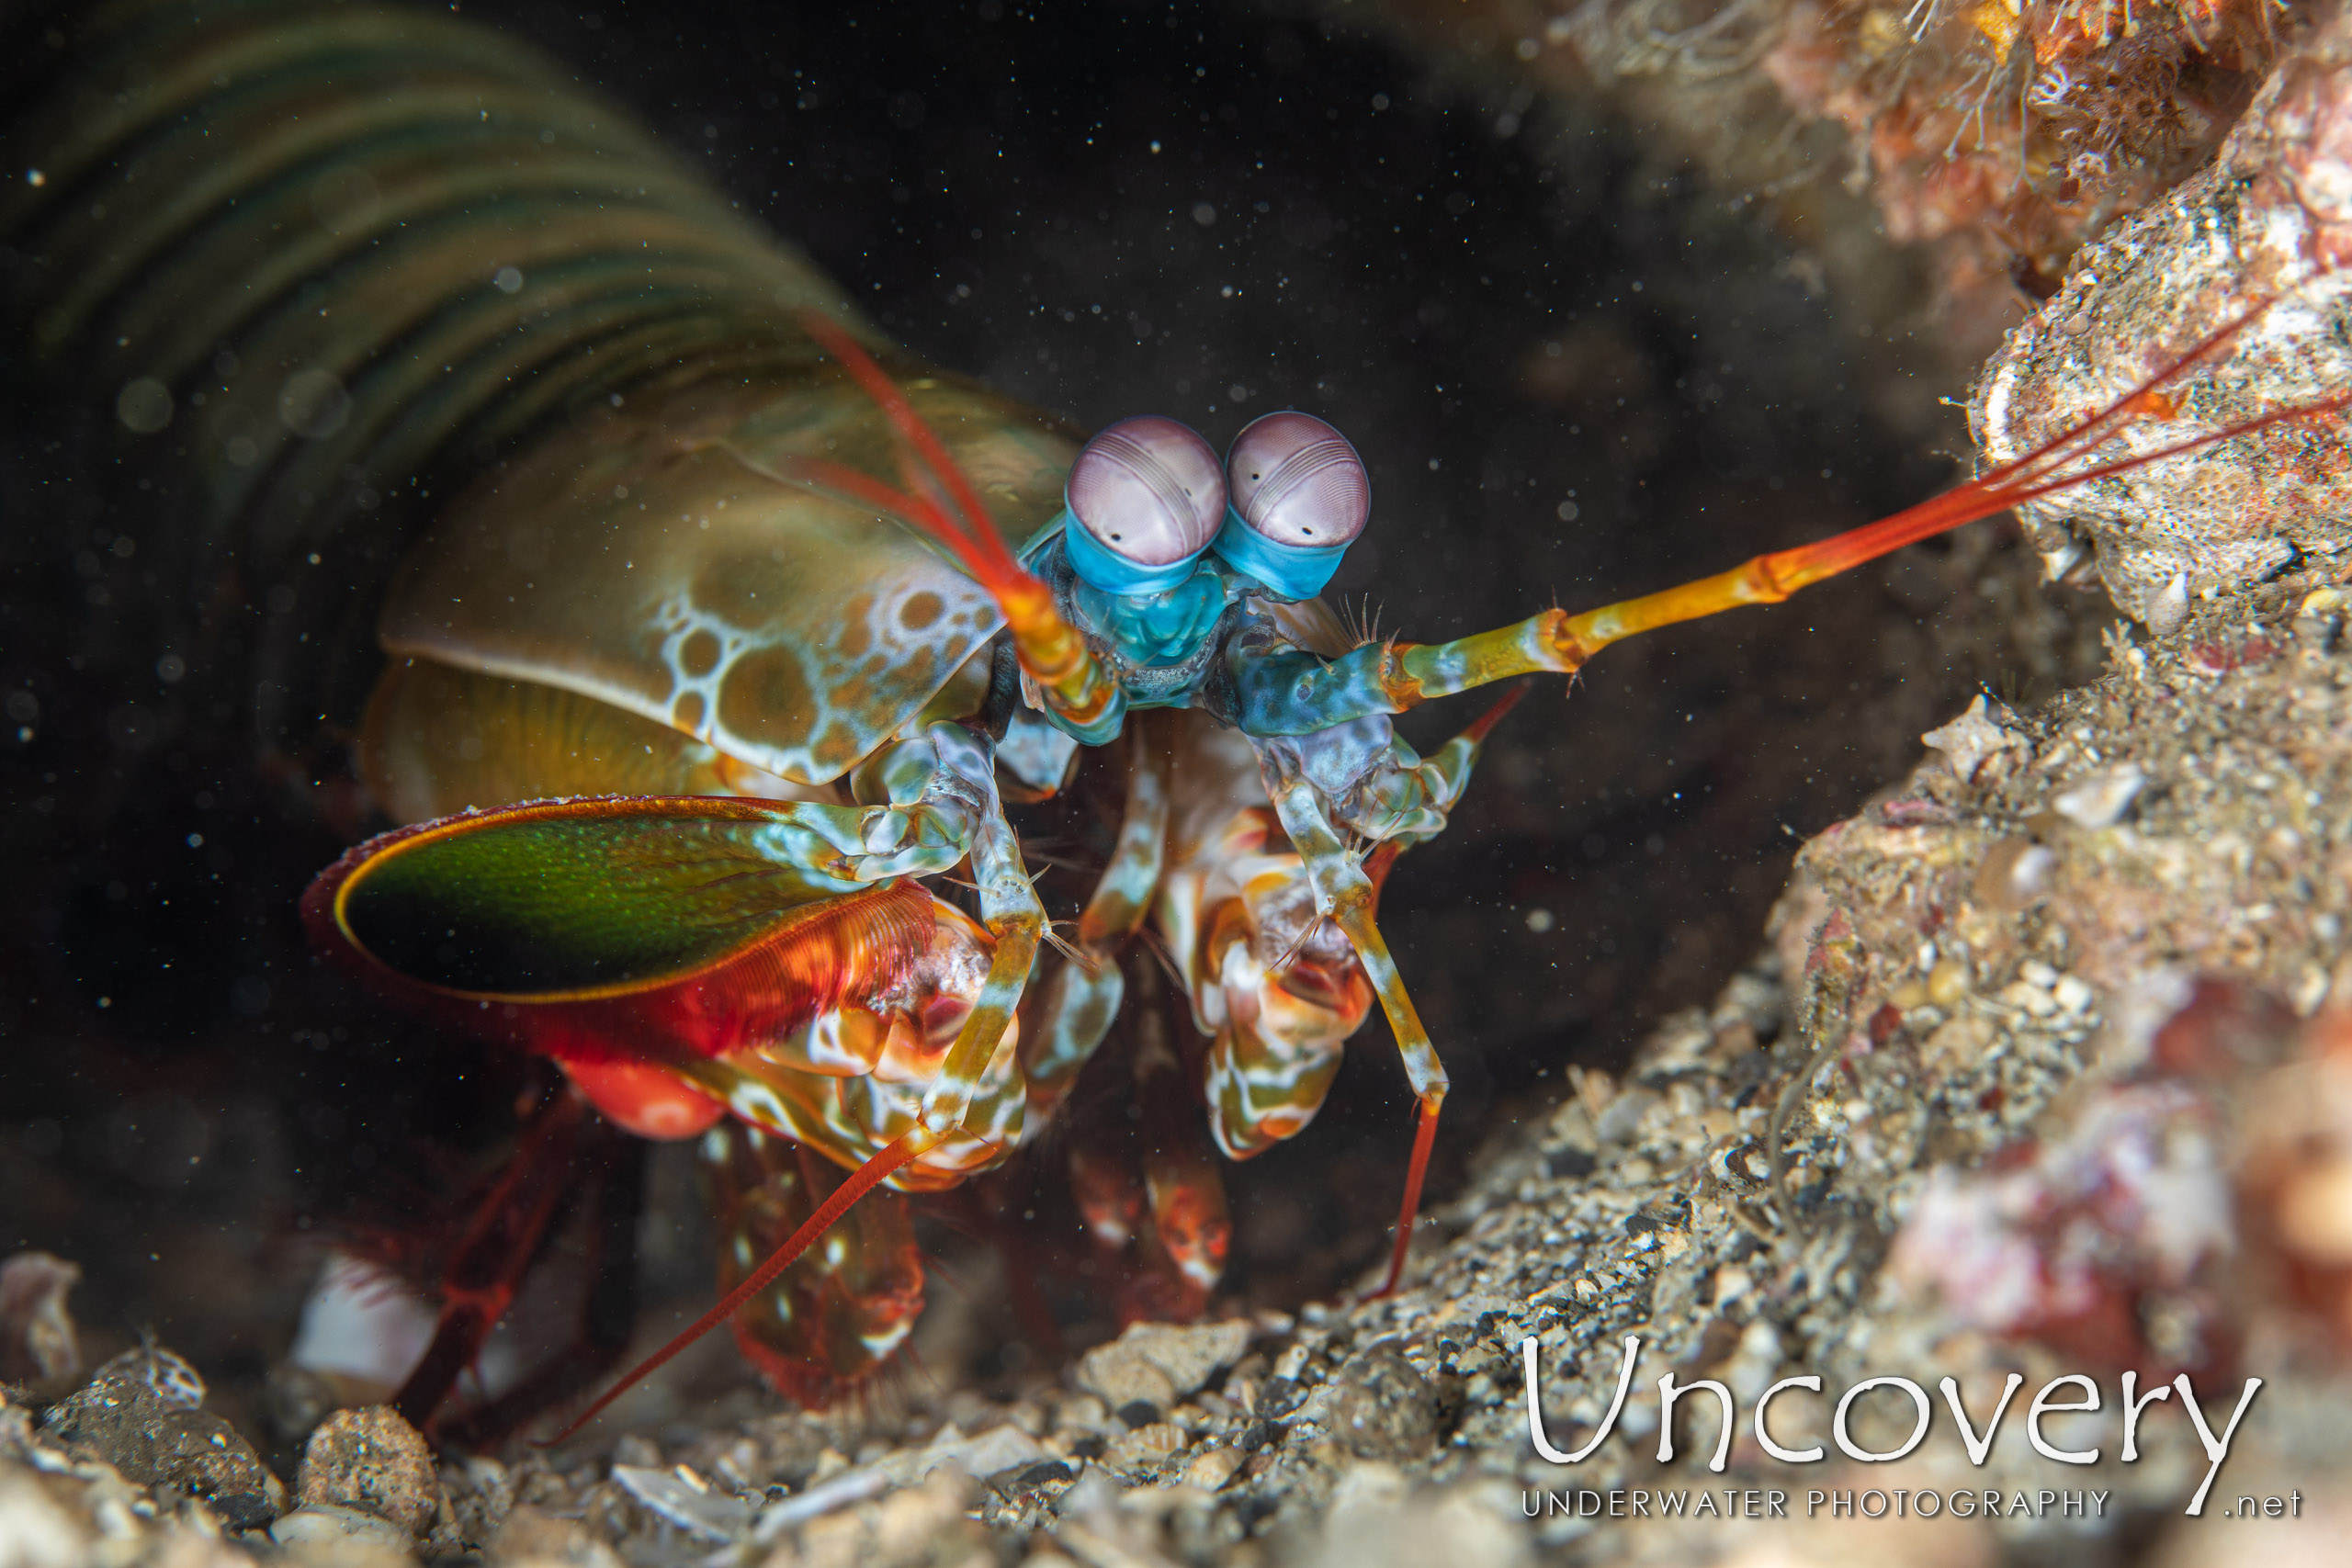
(853, 1081)
(690, 974)
(1274, 985)
(1075, 1010)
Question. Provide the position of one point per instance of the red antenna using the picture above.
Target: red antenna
(872, 1174)
(931, 475)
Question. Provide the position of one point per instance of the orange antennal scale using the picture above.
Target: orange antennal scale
(877, 1169)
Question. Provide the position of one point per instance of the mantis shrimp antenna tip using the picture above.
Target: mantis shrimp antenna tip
(877, 1169)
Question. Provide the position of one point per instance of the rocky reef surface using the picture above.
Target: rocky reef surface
(2038, 1078)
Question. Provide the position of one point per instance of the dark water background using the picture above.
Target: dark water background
(1576, 372)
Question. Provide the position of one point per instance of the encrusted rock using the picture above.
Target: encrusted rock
(2111, 1219)
(2270, 221)
(372, 1461)
(1158, 1363)
(135, 1414)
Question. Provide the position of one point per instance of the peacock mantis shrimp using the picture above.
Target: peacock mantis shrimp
(596, 508)
(1138, 596)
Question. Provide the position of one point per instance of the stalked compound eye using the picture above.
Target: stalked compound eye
(1300, 497)
(1146, 497)
(1297, 481)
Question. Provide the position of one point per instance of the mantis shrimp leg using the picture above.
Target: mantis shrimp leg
(1344, 895)
(1181, 1186)
(1085, 993)
(1009, 907)
(1399, 801)
(1147, 1182)
(499, 1245)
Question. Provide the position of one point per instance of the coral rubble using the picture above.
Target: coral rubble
(2263, 233)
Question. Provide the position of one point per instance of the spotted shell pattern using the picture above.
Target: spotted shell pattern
(788, 631)
(1297, 481)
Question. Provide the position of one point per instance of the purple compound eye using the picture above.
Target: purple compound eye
(1148, 490)
(1297, 481)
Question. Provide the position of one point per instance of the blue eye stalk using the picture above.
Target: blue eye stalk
(1143, 500)
(1163, 546)
(1299, 497)
(1147, 498)
(1293, 571)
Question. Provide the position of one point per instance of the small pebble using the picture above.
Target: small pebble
(346, 1538)
(2102, 800)
(124, 1416)
(372, 1461)
(1158, 1363)
(1133, 1451)
(37, 1336)
(698, 1510)
(1212, 1468)
(1381, 1407)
